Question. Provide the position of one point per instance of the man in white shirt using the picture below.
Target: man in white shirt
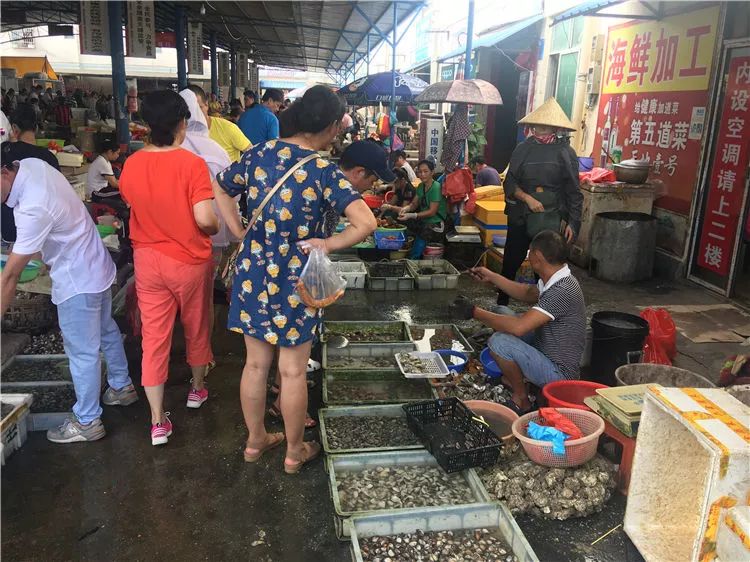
(400, 161)
(101, 178)
(51, 219)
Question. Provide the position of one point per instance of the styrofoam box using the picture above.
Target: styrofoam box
(15, 428)
(691, 463)
(734, 531)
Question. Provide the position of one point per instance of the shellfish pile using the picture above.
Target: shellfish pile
(396, 487)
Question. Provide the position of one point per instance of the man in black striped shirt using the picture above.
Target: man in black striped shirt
(546, 342)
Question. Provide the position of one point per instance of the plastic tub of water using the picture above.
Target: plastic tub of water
(489, 364)
(500, 418)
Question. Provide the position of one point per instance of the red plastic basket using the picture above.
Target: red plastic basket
(373, 201)
(577, 451)
(570, 394)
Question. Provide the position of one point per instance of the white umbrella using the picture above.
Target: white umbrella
(476, 92)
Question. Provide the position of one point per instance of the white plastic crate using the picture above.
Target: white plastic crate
(493, 516)
(433, 364)
(353, 272)
(691, 463)
(14, 427)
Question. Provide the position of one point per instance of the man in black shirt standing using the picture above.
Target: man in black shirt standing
(23, 131)
(545, 343)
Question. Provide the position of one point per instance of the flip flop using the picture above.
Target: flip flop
(273, 440)
(312, 450)
(275, 413)
(313, 366)
(517, 409)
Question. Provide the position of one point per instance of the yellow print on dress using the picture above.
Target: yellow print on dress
(270, 226)
(260, 175)
(300, 175)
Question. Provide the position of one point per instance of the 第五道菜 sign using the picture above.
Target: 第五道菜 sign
(654, 94)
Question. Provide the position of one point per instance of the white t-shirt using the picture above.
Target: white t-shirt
(51, 218)
(97, 175)
(409, 171)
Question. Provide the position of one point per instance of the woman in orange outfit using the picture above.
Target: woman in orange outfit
(169, 191)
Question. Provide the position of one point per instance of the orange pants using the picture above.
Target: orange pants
(164, 286)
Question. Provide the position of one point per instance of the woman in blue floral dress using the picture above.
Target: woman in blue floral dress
(265, 305)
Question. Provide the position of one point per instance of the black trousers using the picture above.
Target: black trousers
(516, 247)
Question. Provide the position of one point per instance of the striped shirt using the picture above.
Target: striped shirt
(562, 340)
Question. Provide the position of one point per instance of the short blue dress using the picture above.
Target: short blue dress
(265, 303)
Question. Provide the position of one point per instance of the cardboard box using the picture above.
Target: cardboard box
(491, 212)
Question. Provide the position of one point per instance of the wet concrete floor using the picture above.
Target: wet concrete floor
(195, 499)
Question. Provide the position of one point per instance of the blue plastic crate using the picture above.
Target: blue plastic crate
(390, 240)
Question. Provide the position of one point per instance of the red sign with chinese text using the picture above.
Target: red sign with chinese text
(654, 94)
(728, 172)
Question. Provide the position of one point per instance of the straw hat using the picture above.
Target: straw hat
(549, 114)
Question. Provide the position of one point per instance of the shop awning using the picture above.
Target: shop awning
(634, 10)
(584, 9)
(281, 84)
(23, 65)
(504, 34)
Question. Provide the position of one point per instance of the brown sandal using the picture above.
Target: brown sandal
(312, 450)
(273, 440)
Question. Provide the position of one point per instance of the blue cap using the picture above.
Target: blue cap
(368, 155)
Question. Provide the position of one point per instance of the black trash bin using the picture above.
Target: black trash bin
(615, 334)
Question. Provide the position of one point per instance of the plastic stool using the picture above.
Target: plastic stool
(626, 460)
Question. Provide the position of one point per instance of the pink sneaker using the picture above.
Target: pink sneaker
(196, 398)
(161, 431)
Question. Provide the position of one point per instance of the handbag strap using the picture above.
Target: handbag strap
(275, 188)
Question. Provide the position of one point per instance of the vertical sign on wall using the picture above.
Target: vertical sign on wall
(94, 29)
(431, 135)
(654, 93)
(195, 47)
(242, 70)
(252, 79)
(140, 33)
(223, 60)
(728, 173)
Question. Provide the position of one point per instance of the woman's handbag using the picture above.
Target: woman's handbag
(227, 274)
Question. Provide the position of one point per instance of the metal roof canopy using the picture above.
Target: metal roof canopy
(331, 36)
(521, 32)
(633, 9)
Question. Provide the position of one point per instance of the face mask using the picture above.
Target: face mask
(545, 139)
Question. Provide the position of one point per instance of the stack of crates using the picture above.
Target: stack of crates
(491, 219)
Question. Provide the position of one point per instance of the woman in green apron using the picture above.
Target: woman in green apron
(426, 215)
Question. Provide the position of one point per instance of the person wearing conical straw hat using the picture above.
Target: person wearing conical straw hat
(542, 191)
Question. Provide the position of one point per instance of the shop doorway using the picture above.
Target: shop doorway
(720, 257)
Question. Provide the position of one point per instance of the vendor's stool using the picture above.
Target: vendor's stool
(626, 459)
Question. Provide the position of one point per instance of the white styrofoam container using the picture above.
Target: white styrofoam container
(14, 427)
(492, 516)
(691, 463)
(732, 542)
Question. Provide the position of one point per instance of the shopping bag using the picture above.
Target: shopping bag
(660, 345)
(319, 283)
(457, 185)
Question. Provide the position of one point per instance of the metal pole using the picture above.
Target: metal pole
(393, 75)
(367, 73)
(119, 87)
(233, 74)
(214, 66)
(179, 33)
(469, 35)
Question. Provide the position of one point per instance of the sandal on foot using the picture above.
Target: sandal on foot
(273, 440)
(312, 450)
(275, 389)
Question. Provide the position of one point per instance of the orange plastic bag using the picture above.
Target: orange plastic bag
(661, 343)
(555, 419)
(457, 185)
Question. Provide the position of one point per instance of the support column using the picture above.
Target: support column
(179, 36)
(233, 75)
(394, 42)
(214, 66)
(119, 87)
(469, 36)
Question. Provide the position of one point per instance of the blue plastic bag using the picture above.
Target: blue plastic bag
(545, 433)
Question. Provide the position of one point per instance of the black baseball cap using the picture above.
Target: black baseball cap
(368, 155)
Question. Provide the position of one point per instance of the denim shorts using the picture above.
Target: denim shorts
(535, 366)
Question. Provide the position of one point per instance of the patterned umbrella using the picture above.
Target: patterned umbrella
(476, 92)
(376, 88)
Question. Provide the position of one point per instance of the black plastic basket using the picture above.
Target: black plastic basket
(439, 423)
(388, 269)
